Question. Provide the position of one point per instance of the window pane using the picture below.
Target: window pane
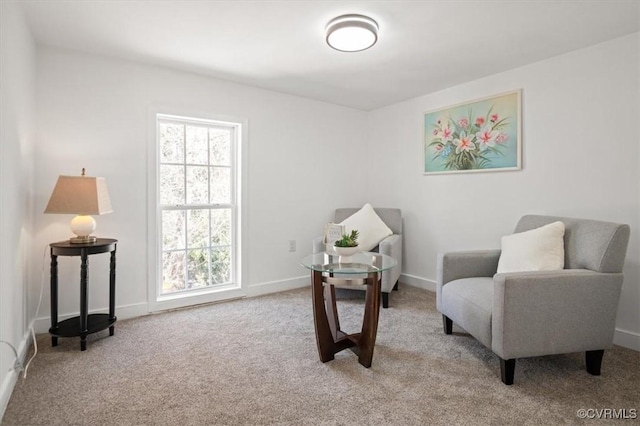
(198, 269)
(197, 152)
(173, 229)
(220, 185)
(197, 185)
(173, 271)
(171, 184)
(221, 265)
(171, 143)
(198, 224)
(220, 144)
(220, 227)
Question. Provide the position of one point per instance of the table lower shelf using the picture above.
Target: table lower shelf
(71, 327)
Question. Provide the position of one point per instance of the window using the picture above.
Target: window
(197, 206)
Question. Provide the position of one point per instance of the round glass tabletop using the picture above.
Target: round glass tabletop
(359, 263)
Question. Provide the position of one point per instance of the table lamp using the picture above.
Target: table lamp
(83, 196)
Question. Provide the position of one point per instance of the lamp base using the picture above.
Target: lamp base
(83, 225)
(86, 239)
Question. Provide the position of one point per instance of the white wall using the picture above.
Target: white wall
(17, 114)
(580, 117)
(92, 113)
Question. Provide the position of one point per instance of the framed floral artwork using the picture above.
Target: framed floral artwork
(476, 136)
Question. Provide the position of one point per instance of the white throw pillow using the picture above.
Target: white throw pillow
(540, 249)
(370, 227)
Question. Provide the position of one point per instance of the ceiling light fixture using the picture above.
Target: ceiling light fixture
(352, 33)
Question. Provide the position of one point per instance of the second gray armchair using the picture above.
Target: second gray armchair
(528, 314)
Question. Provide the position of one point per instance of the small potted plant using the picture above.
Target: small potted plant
(347, 245)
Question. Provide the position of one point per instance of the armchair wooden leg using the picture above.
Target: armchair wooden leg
(594, 361)
(448, 324)
(395, 287)
(507, 369)
(385, 300)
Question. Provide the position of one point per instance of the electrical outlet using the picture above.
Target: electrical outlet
(292, 245)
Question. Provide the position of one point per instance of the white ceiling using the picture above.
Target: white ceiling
(423, 46)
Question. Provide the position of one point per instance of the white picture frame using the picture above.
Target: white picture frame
(332, 233)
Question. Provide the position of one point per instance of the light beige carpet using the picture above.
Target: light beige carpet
(255, 361)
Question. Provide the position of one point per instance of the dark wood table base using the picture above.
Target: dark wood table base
(329, 337)
(85, 323)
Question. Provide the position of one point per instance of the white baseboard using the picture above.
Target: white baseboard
(278, 286)
(627, 339)
(12, 377)
(42, 324)
(419, 282)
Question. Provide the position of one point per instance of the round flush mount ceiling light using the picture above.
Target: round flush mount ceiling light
(352, 33)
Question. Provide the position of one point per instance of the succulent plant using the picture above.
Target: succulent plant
(348, 240)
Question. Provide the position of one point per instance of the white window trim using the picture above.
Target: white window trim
(154, 300)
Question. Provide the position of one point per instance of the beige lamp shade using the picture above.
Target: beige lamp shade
(80, 195)
(83, 196)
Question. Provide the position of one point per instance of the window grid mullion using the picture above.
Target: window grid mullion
(184, 159)
(209, 266)
(209, 234)
(195, 206)
(233, 147)
(212, 246)
(195, 164)
(186, 216)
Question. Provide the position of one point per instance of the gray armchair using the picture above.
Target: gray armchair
(391, 246)
(527, 314)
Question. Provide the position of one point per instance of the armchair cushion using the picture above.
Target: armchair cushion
(464, 264)
(371, 228)
(469, 301)
(540, 249)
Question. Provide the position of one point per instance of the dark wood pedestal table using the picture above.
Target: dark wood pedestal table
(84, 324)
(329, 270)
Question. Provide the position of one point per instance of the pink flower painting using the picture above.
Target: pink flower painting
(483, 134)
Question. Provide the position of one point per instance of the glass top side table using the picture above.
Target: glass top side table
(359, 263)
(328, 270)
